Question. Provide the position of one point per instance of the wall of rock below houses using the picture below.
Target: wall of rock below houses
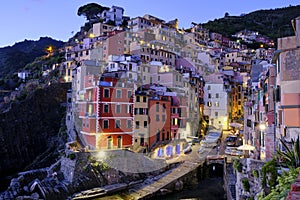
(249, 165)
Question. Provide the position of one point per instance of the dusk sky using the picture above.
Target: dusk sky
(32, 19)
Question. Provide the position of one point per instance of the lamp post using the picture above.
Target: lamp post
(262, 128)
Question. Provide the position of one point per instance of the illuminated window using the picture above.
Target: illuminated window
(209, 104)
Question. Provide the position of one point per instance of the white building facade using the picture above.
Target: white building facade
(216, 100)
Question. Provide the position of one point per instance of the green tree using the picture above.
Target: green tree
(91, 11)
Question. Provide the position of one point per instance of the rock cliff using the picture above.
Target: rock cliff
(29, 130)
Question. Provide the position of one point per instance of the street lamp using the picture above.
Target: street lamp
(262, 127)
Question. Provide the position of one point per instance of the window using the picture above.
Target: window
(118, 108)
(157, 107)
(164, 108)
(174, 121)
(163, 118)
(118, 123)
(119, 94)
(106, 108)
(137, 98)
(106, 93)
(209, 103)
(208, 87)
(128, 108)
(129, 93)
(217, 95)
(145, 124)
(144, 99)
(217, 104)
(216, 114)
(129, 124)
(209, 95)
(158, 78)
(105, 124)
(157, 118)
(137, 124)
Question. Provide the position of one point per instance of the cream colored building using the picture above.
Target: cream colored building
(216, 101)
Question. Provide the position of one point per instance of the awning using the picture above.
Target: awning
(246, 147)
(236, 125)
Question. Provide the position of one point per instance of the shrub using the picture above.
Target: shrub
(72, 156)
(246, 184)
(269, 174)
(237, 165)
(255, 173)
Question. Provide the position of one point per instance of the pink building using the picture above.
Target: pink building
(287, 59)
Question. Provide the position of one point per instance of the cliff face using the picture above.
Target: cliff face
(31, 127)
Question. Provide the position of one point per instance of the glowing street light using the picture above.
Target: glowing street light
(262, 127)
(50, 49)
(91, 35)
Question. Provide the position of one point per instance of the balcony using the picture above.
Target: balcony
(90, 115)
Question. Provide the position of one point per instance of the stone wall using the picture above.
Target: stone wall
(249, 166)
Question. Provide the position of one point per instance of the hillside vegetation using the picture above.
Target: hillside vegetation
(274, 23)
(16, 57)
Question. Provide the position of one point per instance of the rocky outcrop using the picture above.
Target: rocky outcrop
(29, 130)
(76, 174)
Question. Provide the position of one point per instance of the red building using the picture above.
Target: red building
(115, 111)
(107, 112)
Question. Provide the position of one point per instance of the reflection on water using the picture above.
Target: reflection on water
(208, 189)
